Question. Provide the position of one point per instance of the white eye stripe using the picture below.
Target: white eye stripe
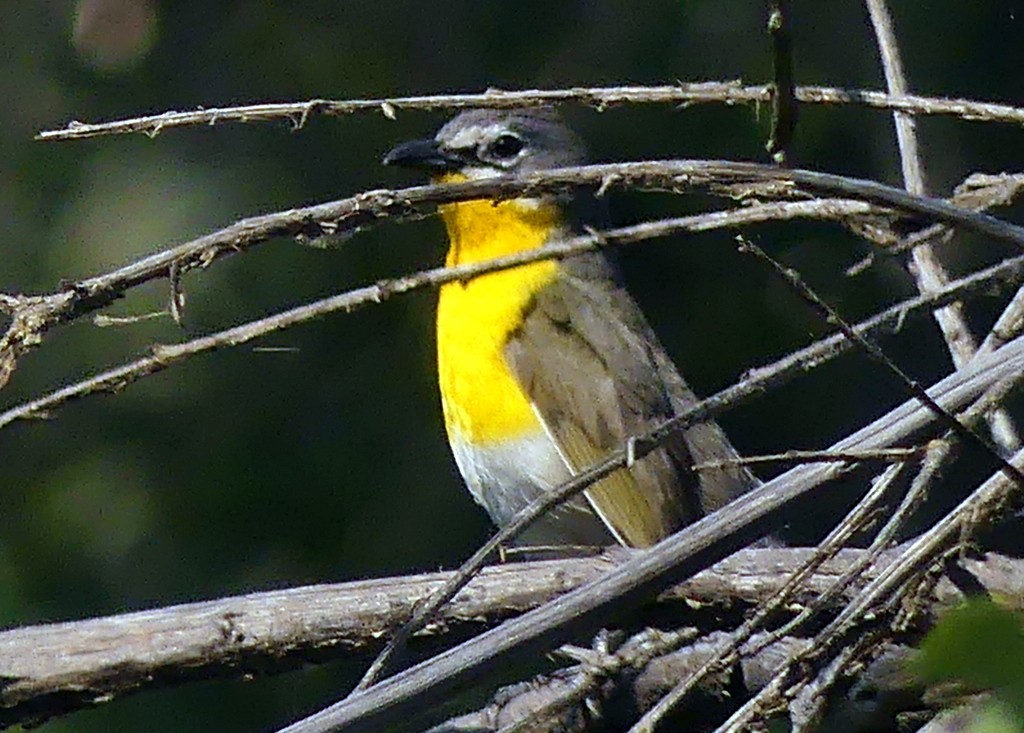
(463, 139)
(472, 136)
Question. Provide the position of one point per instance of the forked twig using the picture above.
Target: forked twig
(927, 269)
(832, 317)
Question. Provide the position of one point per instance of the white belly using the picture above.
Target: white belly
(506, 477)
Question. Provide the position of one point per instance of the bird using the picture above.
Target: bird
(546, 367)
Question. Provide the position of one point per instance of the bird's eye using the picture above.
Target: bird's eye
(505, 146)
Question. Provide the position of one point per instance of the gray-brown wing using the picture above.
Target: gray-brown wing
(705, 442)
(594, 372)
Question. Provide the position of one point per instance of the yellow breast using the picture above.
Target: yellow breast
(482, 401)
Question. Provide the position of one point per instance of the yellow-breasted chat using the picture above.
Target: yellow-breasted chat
(545, 368)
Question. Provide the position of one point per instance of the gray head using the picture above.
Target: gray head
(488, 142)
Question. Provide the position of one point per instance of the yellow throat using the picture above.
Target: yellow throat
(482, 401)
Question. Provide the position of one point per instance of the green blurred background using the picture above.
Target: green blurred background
(249, 469)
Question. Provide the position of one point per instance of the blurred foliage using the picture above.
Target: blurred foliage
(995, 717)
(244, 469)
(981, 646)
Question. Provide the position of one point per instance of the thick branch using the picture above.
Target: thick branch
(50, 669)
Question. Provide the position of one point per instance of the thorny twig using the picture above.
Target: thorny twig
(41, 313)
(682, 95)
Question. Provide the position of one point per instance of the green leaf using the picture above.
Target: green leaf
(981, 645)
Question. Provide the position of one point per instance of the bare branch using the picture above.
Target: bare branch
(1003, 189)
(783, 88)
(421, 688)
(728, 653)
(683, 94)
(37, 314)
(893, 455)
(850, 634)
(55, 668)
(831, 316)
(574, 697)
(755, 381)
(810, 701)
(928, 271)
(1007, 326)
(978, 192)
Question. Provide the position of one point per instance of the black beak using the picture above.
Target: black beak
(423, 155)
